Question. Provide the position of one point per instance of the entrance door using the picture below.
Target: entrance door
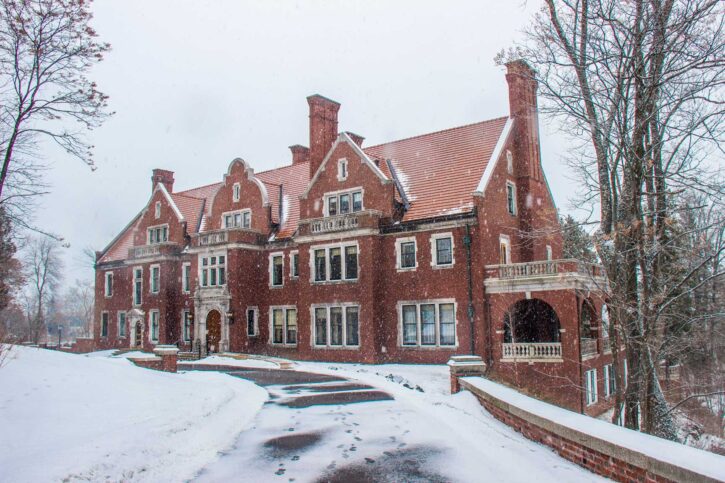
(137, 339)
(213, 331)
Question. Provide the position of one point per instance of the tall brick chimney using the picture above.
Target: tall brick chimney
(323, 128)
(300, 153)
(164, 177)
(524, 110)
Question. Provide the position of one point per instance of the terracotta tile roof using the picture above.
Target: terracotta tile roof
(190, 208)
(118, 250)
(204, 192)
(294, 180)
(439, 171)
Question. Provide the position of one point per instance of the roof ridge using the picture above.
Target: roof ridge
(281, 167)
(196, 188)
(187, 196)
(436, 132)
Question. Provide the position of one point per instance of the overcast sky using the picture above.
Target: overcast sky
(196, 83)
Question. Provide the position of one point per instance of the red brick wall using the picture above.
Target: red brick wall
(250, 198)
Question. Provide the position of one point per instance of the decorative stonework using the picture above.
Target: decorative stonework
(207, 299)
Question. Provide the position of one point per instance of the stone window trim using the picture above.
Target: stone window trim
(186, 277)
(186, 336)
(152, 313)
(157, 210)
(342, 246)
(511, 207)
(398, 254)
(236, 192)
(137, 279)
(152, 268)
(121, 334)
(437, 302)
(292, 255)
(434, 250)
(509, 162)
(157, 234)
(328, 306)
(272, 256)
(255, 320)
(591, 393)
(337, 194)
(342, 169)
(219, 268)
(242, 218)
(108, 284)
(284, 309)
(504, 240)
(104, 324)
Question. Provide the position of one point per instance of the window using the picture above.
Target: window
(154, 278)
(236, 192)
(337, 325)
(157, 210)
(586, 319)
(137, 285)
(294, 265)
(108, 289)
(186, 325)
(511, 198)
(104, 324)
(430, 323)
(122, 324)
(213, 270)
(405, 253)
(334, 263)
(509, 162)
(625, 373)
(276, 269)
(237, 219)
(341, 203)
(504, 250)
(154, 323)
(342, 169)
(284, 325)
(610, 383)
(591, 388)
(252, 322)
(157, 234)
(186, 277)
(441, 247)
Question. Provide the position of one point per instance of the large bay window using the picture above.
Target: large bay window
(336, 325)
(343, 202)
(428, 323)
(157, 234)
(237, 219)
(334, 263)
(213, 270)
(284, 325)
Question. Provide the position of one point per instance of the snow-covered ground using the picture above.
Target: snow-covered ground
(231, 361)
(75, 418)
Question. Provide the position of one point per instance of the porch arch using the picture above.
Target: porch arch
(531, 320)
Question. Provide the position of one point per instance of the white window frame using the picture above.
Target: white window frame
(241, 214)
(133, 287)
(504, 240)
(327, 248)
(284, 309)
(108, 285)
(337, 194)
(509, 162)
(161, 231)
(609, 377)
(184, 318)
(118, 324)
(342, 165)
(434, 250)
(272, 256)
(108, 324)
(344, 306)
(255, 321)
(399, 254)
(512, 185)
(592, 395)
(157, 210)
(216, 267)
(236, 192)
(151, 325)
(151, 279)
(292, 254)
(419, 334)
(186, 277)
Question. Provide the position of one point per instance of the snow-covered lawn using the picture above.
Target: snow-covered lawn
(71, 417)
(230, 361)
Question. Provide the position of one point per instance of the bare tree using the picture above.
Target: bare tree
(46, 49)
(43, 271)
(78, 304)
(642, 82)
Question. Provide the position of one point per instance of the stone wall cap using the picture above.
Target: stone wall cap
(465, 361)
(166, 350)
(144, 359)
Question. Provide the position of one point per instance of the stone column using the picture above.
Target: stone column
(464, 366)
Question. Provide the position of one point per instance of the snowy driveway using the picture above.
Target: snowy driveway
(330, 427)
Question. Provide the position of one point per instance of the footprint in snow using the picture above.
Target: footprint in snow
(280, 472)
(295, 458)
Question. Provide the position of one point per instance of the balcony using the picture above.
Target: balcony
(214, 238)
(544, 275)
(152, 251)
(532, 352)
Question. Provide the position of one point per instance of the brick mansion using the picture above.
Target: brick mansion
(410, 251)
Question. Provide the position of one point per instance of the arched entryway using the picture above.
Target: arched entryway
(135, 319)
(531, 320)
(213, 331)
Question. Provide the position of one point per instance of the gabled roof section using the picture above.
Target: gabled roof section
(440, 171)
(294, 180)
(172, 203)
(119, 246)
(191, 209)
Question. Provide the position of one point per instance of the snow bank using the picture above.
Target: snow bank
(69, 417)
(231, 361)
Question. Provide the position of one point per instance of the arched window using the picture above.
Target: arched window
(531, 320)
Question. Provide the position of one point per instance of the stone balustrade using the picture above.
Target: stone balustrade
(545, 268)
(532, 351)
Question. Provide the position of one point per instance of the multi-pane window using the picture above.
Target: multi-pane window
(343, 203)
(104, 324)
(591, 386)
(137, 285)
(441, 247)
(155, 276)
(337, 326)
(252, 322)
(237, 219)
(154, 323)
(405, 248)
(158, 234)
(294, 266)
(213, 270)
(186, 277)
(335, 263)
(511, 198)
(236, 192)
(186, 325)
(276, 270)
(428, 323)
(609, 381)
(284, 325)
(108, 288)
(122, 324)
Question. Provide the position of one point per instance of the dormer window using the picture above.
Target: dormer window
(236, 192)
(344, 202)
(342, 169)
(237, 219)
(157, 234)
(157, 210)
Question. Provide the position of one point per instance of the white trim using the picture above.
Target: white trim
(184, 315)
(495, 155)
(343, 269)
(185, 280)
(509, 162)
(255, 321)
(157, 210)
(292, 253)
(236, 192)
(106, 285)
(271, 258)
(241, 219)
(151, 279)
(149, 229)
(284, 309)
(549, 253)
(340, 163)
(119, 313)
(328, 331)
(437, 303)
(398, 254)
(162, 188)
(591, 392)
(434, 252)
(338, 194)
(151, 325)
(216, 252)
(515, 207)
(134, 279)
(504, 240)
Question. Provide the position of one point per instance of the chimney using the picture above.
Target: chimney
(323, 128)
(300, 154)
(357, 139)
(524, 111)
(164, 177)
